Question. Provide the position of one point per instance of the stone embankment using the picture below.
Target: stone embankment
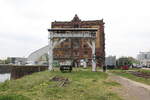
(5, 68)
(18, 71)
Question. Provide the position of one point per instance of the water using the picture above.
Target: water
(4, 77)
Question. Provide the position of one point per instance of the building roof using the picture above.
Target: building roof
(76, 19)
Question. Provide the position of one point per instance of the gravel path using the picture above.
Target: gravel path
(131, 90)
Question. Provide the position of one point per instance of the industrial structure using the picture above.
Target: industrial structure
(69, 36)
(73, 39)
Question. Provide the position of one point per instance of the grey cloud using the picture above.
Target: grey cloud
(24, 23)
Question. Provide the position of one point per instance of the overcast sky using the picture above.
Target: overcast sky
(24, 23)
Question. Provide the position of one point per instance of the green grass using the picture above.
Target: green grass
(111, 83)
(144, 71)
(83, 85)
(13, 97)
(125, 73)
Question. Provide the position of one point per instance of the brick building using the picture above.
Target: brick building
(77, 49)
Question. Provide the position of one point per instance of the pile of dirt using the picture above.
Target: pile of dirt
(61, 81)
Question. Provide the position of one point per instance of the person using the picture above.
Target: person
(104, 68)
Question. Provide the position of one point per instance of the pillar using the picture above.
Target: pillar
(52, 43)
(92, 46)
(50, 53)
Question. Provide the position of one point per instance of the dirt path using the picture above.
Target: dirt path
(146, 68)
(131, 90)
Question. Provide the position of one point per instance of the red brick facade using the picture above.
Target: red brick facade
(78, 48)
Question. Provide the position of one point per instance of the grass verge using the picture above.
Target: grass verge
(83, 85)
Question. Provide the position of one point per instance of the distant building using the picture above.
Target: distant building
(39, 56)
(110, 61)
(17, 60)
(144, 58)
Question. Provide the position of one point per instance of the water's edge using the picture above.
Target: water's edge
(4, 77)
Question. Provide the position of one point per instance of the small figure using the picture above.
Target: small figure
(104, 68)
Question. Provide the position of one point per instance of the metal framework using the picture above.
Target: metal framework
(58, 35)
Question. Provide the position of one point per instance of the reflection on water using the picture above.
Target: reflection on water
(4, 77)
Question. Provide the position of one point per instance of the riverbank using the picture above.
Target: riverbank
(18, 71)
(80, 85)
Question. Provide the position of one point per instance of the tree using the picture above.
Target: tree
(126, 61)
(123, 61)
(5, 61)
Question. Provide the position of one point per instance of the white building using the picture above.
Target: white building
(39, 56)
(110, 60)
(144, 58)
(17, 60)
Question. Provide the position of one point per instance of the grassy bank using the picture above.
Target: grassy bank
(125, 73)
(82, 85)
